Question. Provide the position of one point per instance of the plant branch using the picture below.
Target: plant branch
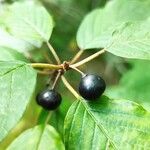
(53, 52)
(76, 69)
(48, 117)
(56, 79)
(69, 87)
(44, 72)
(88, 59)
(47, 66)
(77, 56)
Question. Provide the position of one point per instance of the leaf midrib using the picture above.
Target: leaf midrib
(11, 70)
(100, 126)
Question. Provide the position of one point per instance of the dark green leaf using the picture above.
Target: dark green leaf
(107, 124)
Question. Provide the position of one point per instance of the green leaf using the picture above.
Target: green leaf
(107, 124)
(131, 40)
(134, 85)
(9, 41)
(17, 82)
(38, 138)
(7, 54)
(30, 22)
(117, 29)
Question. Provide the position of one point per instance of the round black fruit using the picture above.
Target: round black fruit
(91, 86)
(49, 99)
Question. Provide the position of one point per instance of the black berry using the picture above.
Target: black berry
(91, 86)
(49, 99)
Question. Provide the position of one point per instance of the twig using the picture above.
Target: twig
(83, 74)
(69, 87)
(44, 72)
(56, 79)
(48, 117)
(53, 52)
(88, 59)
(77, 56)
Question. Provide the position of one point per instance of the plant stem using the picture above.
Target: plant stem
(43, 128)
(83, 74)
(47, 66)
(48, 117)
(88, 59)
(69, 87)
(43, 72)
(56, 79)
(53, 52)
(76, 57)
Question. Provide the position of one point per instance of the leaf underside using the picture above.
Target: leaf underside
(26, 25)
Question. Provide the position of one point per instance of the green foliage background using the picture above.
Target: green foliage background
(119, 120)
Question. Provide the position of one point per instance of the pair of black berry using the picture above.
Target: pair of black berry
(91, 87)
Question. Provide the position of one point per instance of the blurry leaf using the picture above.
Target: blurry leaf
(7, 40)
(30, 22)
(17, 82)
(107, 124)
(38, 138)
(134, 85)
(111, 28)
(7, 54)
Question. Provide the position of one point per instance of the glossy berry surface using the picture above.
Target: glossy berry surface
(49, 99)
(91, 86)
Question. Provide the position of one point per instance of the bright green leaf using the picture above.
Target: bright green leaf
(7, 54)
(117, 29)
(38, 138)
(17, 82)
(30, 22)
(134, 85)
(107, 124)
(131, 40)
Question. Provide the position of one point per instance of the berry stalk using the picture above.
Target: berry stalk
(88, 59)
(56, 79)
(70, 88)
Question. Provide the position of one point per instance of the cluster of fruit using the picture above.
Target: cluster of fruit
(91, 87)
